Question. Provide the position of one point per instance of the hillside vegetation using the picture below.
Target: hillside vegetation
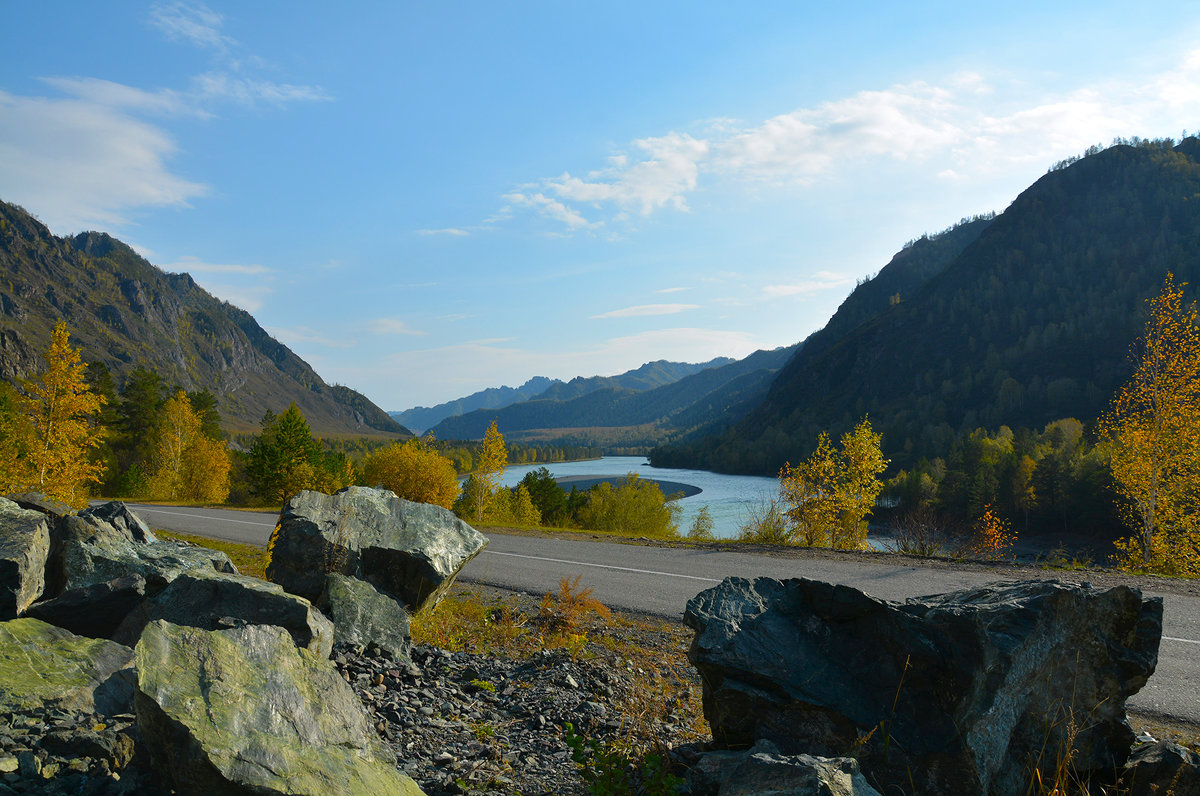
(127, 314)
(1019, 320)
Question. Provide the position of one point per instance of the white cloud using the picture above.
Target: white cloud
(194, 265)
(452, 231)
(647, 309)
(822, 280)
(82, 165)
(967, 127)
(192, 22)
(297, 335)
(107, 94)
(392, 326)
(250, 91)
(247, 297)
(672, 289)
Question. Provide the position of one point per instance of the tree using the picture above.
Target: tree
(187, 464)
(830, 495)
(549, 498)
(62, 410)
(16, 438)
(702, 526)
(493, 456)
(413, 472)
(634, 507)
(285, 458)
(1152, 434)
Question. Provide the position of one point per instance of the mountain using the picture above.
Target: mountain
(421, 418)
(1029, 321)
(648, 376)
(712, 394)
(126, 313)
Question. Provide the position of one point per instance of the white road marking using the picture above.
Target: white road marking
(602, 566)
(1184, 640)
(156, 510)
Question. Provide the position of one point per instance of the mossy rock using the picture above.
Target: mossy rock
(43, 666)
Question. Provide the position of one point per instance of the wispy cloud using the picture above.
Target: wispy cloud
(820, 281)
(296, 335)
(89, 157)
(452, 231)
(392, 326)
(647, 309)
(672, 289)
(194, 265)
(951, 129)
(247, 297)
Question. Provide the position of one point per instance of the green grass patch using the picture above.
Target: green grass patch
(248, 558)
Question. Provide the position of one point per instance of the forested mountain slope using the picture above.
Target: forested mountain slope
(1030, 322)
(126, 313)
(420, 418)
(711, 394)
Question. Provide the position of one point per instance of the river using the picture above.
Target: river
(730, 498)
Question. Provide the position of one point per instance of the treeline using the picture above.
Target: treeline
(71, 434)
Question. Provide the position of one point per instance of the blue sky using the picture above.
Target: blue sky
(423, 200)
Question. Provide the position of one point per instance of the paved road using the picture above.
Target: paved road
(660, 581)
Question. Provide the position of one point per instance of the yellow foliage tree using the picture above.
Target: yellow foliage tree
(414, 473)
(993, 536)
(830, 495)
(493, 457)
(187, 465)
(16, 438)
(62, 412)
(1152, 434)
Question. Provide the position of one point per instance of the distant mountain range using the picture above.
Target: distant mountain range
(1017, 320)
(648, 376)
(658, 401)
(126, 313)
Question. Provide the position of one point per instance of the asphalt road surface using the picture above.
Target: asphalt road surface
(660, 581)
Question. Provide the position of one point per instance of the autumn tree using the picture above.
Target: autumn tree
(493, 456)
(413, 472)
(62, 409)
(1152, 434)
(16, 438)
(285, 459)
(829, 496)
(187, 463)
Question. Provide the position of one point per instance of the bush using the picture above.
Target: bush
(635, 507)
(766, 524)
(414, 473)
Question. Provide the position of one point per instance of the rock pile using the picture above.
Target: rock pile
(959, 693)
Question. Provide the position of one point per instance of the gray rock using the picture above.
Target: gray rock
(363, 616)
(24, 548)
(95, 610)
(1161, 768)
(42, 666)
(964, 692)
(244, 711)
(36, 501)
(109, 541)
(766, 774)
(214, 600)
(412, 551)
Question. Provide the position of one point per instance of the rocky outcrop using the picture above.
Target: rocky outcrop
(412, 551)
(962, 692)
(110, 541)
(215, 600)
(42, 666)
(245, 711)
(362, 616)
(24, 548)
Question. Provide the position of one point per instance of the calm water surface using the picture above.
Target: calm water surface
(730, 498)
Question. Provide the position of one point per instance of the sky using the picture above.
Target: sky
(426, 199)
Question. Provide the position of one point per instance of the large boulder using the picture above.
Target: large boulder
(24, 548)
(412, 551)
(95, 610)
(762, 771)
(962, 692)
(109, 541)
(244, 711)
(1162, 768)
(362, 615)
(214, 600)
(44, 667)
